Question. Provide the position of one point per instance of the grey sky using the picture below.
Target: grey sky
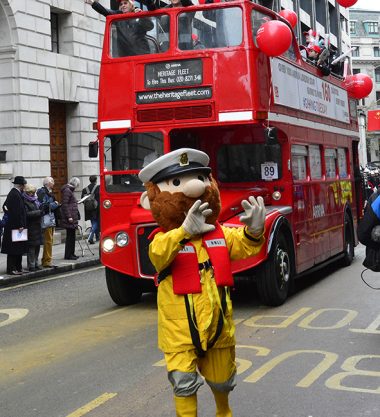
(367, 4)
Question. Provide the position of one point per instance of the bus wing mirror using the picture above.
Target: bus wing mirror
(93, 148)
(271, 137)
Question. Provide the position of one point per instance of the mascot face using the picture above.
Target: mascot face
(174, 182)
(171, 199)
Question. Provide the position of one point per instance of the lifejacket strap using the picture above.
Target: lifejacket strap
(193, 323)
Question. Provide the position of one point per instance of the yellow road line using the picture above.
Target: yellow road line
(92, 404)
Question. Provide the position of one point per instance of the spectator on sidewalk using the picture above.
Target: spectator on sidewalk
(15, 208)
(34, 213)
(70, 216)
(92, 207)
(46, 197)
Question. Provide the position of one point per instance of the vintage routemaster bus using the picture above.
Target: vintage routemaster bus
(273, 127)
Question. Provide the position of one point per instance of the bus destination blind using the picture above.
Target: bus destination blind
(173, 73)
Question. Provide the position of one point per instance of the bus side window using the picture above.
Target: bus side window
(315, 162)
(299, 154)
(330, 163)
(342, 163)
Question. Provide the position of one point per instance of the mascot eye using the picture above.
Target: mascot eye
(176, 182)
(201, 178)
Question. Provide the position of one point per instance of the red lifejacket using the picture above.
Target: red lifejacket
(185, 268)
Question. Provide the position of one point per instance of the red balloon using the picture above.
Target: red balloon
(359, 85)
(290, 16)
(274, 38)
(346, 3)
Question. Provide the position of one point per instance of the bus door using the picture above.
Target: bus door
(302, 209)
(333, 201)
(320, 219)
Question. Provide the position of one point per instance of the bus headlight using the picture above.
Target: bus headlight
(122, 239)
(276, 195)
(108, 245)
(107, 204)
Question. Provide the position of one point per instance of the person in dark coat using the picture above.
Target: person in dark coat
(34, 212)
(70, 216)
(92, 214)
(15, 208)
(130, 33)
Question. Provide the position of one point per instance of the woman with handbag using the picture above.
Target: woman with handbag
(34, 213)
(70, 216)
(49, 220)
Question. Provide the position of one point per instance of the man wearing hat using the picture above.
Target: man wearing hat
(130, 34)
(15, 209)
(192, 254)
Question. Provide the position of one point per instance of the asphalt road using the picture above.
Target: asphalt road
(67, 351)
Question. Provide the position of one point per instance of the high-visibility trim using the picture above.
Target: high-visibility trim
(235, 115)
(276, 117)
(115, 124)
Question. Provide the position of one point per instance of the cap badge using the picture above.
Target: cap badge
(183, 160)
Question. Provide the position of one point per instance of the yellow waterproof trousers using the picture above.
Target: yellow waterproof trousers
(218, 368)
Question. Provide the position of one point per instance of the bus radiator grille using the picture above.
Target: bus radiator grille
(146, 267)
(176, 113)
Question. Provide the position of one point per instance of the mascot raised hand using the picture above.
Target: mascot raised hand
(192, 254)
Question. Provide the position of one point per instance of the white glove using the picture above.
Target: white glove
(254, 217)
(195, 221)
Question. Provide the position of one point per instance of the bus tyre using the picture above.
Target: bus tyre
(349, 242)
(276, 274)
(123, 289)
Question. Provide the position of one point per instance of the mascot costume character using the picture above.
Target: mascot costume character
(192, 254)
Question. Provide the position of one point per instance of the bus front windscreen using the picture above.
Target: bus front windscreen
(249, 162)
(128, 152)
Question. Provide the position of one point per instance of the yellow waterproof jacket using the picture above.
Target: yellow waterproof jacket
(173, 327)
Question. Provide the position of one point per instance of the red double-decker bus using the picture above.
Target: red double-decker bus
(273, 127)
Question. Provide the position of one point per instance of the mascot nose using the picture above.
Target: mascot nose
(194, 188)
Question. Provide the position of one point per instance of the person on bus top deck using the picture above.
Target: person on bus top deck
(314, 54)
(130, 33)
(185, 21)
(192, 252)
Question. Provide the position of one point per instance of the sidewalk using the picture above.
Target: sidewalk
(86, 259)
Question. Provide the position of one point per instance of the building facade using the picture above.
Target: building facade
(364, 30)
(49, 64)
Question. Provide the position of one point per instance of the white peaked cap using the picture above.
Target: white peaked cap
(175, 163)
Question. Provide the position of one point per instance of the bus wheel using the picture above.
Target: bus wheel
(275, 275)
(123, 289)
(349, 243)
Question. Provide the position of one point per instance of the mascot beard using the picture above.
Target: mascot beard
(170, 209)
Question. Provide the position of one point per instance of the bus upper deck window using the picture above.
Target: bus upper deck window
(214, 28)
(139, 36)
